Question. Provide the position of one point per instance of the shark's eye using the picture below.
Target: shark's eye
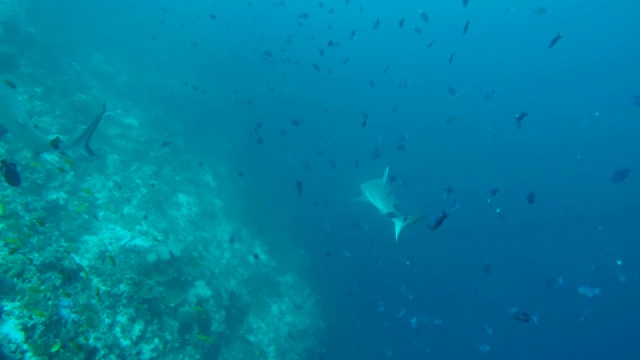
(56, 143)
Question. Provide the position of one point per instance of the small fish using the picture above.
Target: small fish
(452, 91)
(635, 100)
(56, 346)
(424, 16)
(112, 261)
(446, 192)
(619, 175)
(204, 338)
(417, 30)
(212, 16)
(10, 84)
(315, 67)
(492, 194)
(465, 3)
(10, 173)
(555, 282)
(299, 187)
(540, 10)
(519, 117)
(466, 28)
(386, 68)
(401, 23)
(439, 221)
(431, 44)
(376, 24)
(486, 268)
(553, 41)
(531, 198)
(589, 291)
(165, 144)
(490, 94)
(523, 316)
(453, 55)
(401, 144)
(198, 309)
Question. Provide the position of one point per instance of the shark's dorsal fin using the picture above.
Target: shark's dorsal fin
(385, 177)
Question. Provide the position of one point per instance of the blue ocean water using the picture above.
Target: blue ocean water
(217, 218)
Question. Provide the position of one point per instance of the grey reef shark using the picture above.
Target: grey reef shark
(378, 192)
(14, 120)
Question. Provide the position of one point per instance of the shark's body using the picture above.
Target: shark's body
(378, 193)
(14, 120)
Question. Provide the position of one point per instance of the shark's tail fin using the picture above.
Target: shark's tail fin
(86, 135)
(404, 221)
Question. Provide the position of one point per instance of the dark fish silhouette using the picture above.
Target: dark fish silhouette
(453, 55)
(376, 24)
(553, 41)
(493, 193)
(540, 10)
(439, 221)
(446, 192)
(424, 16)
(619, 175)
(531, 198)
(486, 268)
(10, 173)
(466, 28)
(299, 187)
(519, 117)
(465, 3)
(523, 316)
(401, 23)
(490, 94)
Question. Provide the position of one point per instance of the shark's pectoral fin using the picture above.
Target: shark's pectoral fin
(404, 221)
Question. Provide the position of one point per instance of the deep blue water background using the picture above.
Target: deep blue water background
(581, 128)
